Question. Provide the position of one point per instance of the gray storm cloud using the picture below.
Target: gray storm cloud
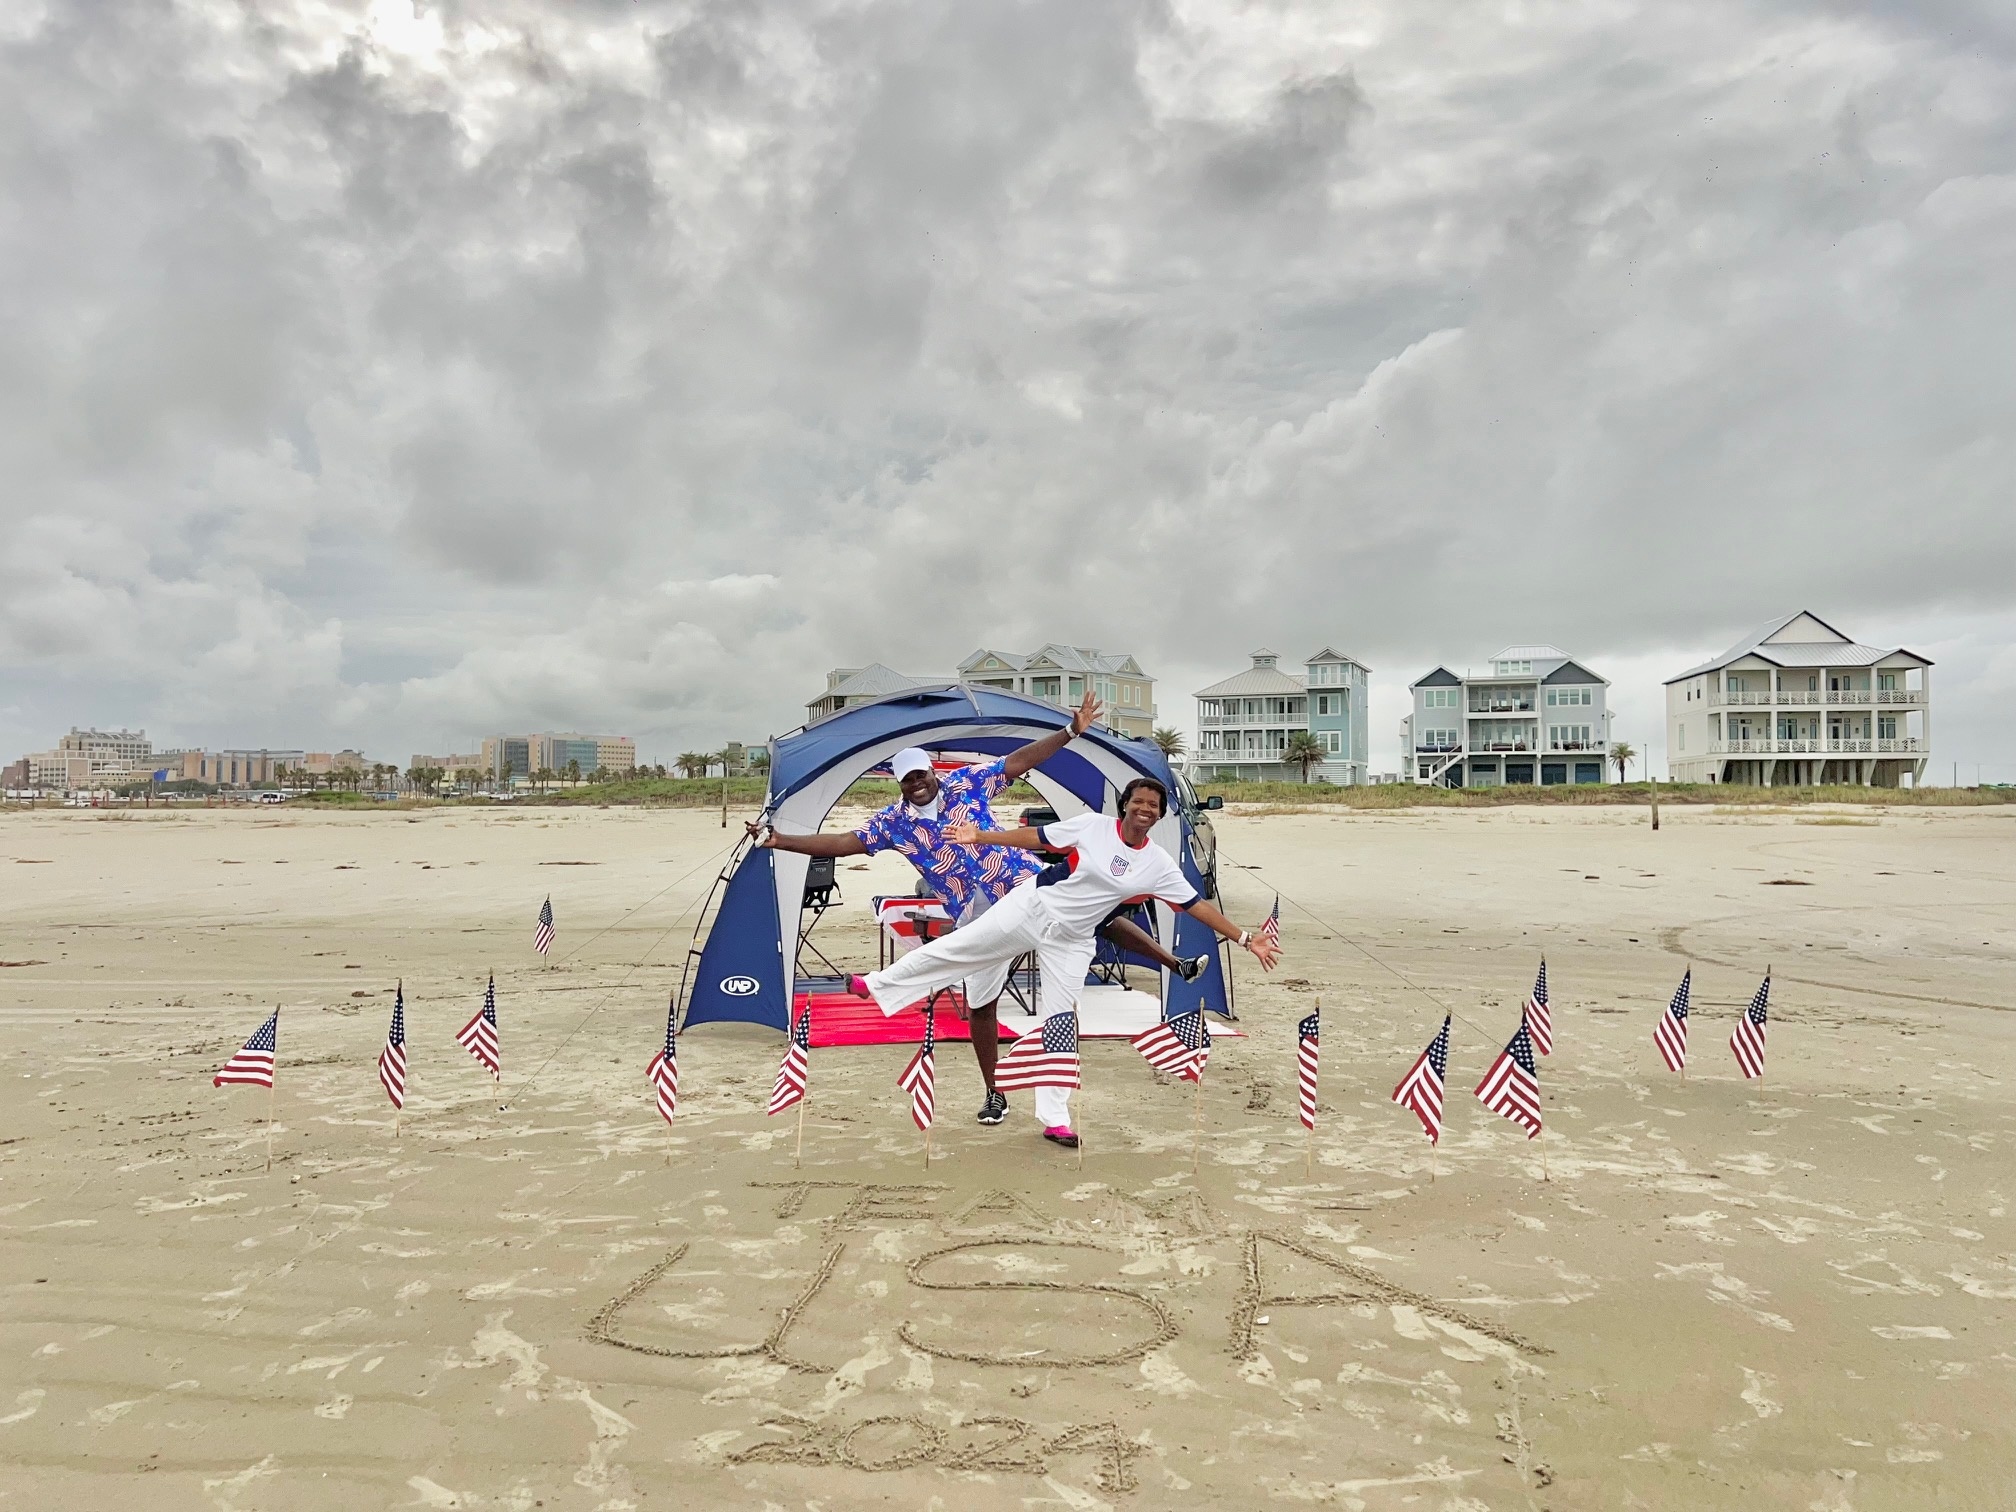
(390, 373)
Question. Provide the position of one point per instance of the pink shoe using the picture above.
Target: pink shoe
(1061, 1134)
(859, 987)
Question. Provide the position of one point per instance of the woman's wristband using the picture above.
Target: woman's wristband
(1245, 939)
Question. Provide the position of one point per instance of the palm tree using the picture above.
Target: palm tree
(1170, 740)
(1621, 753)
(1303, 750)
(573, 773)
(692, 763)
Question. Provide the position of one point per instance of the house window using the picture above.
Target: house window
(1438, 698)
(1682, 733)
(1333, 741)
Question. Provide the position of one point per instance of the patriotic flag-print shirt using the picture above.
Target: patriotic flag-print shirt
(957, 873)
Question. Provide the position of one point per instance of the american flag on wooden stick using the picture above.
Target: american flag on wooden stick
(796, 1066)
(1179, 1045)
(1048, 1059)
(542, 933)
(664, 1068)
(1670, 1033)
(1539, 1016)
(1306, 1035)
(1748, 1040)
(1270, 927)
(1511, 1088)
(920, 1077)
(1421, 1088)
(479, 1035)
(252, 1066)
(392, 1059)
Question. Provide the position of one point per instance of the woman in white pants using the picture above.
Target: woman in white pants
(1108, 863)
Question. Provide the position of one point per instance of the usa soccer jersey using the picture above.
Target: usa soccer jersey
(959, 874)
(1101, 872)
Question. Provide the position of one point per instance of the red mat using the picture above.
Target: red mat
(843, 1019)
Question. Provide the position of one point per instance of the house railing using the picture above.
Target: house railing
(1806, 697)
(1909, 745)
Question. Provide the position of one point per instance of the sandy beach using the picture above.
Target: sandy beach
(1799, 1294)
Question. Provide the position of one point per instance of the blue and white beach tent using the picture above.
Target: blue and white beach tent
(746, 967)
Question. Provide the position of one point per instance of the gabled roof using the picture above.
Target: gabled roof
(1328, 655)
(1064, 658)
(874, 681)
(1531, 653)
(1441, 677)
(1766, 645)
(1255, 682)
(1574, 672)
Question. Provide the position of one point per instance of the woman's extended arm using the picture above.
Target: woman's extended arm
(1264, 951)
(1015, 839)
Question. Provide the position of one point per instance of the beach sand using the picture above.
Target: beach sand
(1797, 1294)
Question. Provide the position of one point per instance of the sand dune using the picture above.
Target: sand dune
(1799, 1295)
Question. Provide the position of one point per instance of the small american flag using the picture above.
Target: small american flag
(479, 1035)
(1179, 1045)
(1306, 1035)
(392, 1059)
(920, 1077)
(1670, 1033)
(796, 1065)
(1049, 1059)
(1540, 1017)
(1270, 927)
(1511, 1088)
(1421, 1088)
(542, 935)
(1748, 1040)
(664, 1068)
(253, 1065)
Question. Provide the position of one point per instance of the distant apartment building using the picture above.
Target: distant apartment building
(1536, 716)
(472, 761)
(14, 775)
(230, 768)
(1799, 702)
(1057, 674)
(113, 753)
(510, 756)
(58, 771)
(1244, 723)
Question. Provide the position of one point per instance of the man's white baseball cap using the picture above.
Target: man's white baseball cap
(909, 760)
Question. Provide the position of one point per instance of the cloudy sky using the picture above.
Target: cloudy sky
(388, 374)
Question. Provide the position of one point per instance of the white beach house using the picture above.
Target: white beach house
(1537, 715)
(1799, 702)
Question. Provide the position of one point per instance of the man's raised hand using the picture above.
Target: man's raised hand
(963, 833)
(761, 833)
(1087, 714)
(1265, 951)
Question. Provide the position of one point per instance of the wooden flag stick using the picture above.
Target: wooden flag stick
(1309, 1157)
(927, 1139)
(798, 1155)
(1080, 1122)
(271, 1094)
(1196, 1122)
(1431, 1162)
(1543, 1157)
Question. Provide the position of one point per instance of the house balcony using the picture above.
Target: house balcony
(1576, 745)
(1437, 749)
(1480, 707)
(1903, 745)
(1787, 698)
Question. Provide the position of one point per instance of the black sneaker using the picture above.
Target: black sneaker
(1193, 967)
(995, 1109)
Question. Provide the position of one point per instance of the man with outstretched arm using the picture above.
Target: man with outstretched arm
(967, 879)
(1107, 863)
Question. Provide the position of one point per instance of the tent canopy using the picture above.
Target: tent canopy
(746, 969)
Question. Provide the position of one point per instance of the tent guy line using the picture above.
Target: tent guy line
(642, 961)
